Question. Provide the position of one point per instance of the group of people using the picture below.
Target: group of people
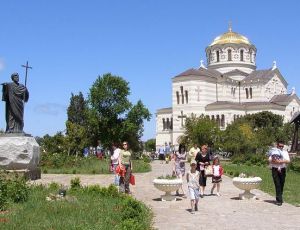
(97, 151)
(196, 177)
(201, 159)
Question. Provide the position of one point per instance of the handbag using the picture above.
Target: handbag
(132, 179)
(208, 171)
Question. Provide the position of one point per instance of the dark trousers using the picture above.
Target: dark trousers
(124, 181)
(279, 179)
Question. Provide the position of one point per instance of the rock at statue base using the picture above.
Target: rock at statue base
(20, 154)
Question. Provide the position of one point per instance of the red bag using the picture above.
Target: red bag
(132, 179)
(121, 170)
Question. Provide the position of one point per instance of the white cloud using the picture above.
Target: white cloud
(50, 109)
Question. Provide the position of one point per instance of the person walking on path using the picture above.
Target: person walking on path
(278, 167)
(202, 160)
(217, 176)
(115, 161)
(180, 159)
(193, 152)
(125, 164)
(192, 178)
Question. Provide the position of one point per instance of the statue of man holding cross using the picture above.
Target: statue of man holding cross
(15, 95)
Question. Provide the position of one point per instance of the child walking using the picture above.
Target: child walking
(217, 175)
(192, 178)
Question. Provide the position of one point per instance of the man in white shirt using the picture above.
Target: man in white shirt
(279, 171)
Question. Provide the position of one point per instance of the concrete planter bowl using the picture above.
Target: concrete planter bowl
(247, 184)
(167, 186)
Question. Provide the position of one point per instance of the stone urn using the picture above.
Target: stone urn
(247, 184)
(167, 186)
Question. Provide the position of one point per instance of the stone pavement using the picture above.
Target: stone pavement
(224, 212)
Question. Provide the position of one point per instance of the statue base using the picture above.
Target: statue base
(34, 174)
(20, 154)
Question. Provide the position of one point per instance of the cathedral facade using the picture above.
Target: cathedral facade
(229, 86)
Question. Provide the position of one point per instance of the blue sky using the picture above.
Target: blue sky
(71, 42)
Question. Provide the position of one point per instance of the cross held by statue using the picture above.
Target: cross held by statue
(26, 71)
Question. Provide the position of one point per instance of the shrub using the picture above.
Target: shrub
(18, 190)
(3, 193)
(236, 174)
(53, 186)
(295, 164)
(75, 183)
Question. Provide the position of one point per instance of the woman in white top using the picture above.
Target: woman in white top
(115, 161)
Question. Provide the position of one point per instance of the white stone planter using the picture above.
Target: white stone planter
(247, 184)
(167, 186)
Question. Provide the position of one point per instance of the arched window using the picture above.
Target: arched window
(182, 96)
(218, 120)
(247, 93)
(242, 55)
(218, 56)
(186, 97)
(229, 55)
(223, 120)
(213, 117)
(168, 124)
(250, 53)
(164, 123)
(171, 125)
(177, 95)
(209, 57)
(250, 92)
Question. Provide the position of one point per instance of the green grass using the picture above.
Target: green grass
(90, 165)
(292, 183)
(93, 209)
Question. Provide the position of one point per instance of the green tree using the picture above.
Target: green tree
(239, 137)
(112, 117)
(77, 129)
(200, 130)
(77, 109)
(150, 145)
(55, 144)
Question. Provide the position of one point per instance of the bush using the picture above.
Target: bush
(3, 193)
(18, 190)
(75, 183)
(12, 188)
(54, 186)
(249, 159)
(295, 165)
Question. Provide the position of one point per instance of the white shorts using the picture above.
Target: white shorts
(194, 193)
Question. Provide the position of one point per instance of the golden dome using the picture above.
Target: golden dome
(230, 37)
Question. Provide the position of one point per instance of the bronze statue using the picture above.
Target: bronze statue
(15, 95)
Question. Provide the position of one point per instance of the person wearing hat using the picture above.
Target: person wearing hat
(192, 178)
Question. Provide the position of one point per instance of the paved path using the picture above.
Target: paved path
(225, 212)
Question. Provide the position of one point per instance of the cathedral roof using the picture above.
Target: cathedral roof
(200, 72)
(164, 110)
(230, 38)
(235, 72)
(283, 99)
(263, 76)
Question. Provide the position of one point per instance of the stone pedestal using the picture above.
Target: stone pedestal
(20, 153)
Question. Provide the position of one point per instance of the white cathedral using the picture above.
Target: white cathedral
(229, 86)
